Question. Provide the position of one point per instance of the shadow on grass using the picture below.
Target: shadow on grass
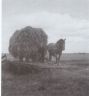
(19, 69)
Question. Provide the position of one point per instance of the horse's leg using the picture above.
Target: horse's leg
(42, 55)
(43, 58)
(21, 58)
(50, 57)
(56, 59)
(27, 59)
(59, 57)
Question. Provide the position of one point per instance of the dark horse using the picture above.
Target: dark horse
(39, 56)
(55, 49)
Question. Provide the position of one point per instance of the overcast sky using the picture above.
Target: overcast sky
(59, 19)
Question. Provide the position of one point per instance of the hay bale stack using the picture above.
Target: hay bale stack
(27, 42)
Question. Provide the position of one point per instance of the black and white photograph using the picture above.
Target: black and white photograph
(45, 48)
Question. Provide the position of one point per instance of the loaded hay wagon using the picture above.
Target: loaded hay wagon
(29, 44)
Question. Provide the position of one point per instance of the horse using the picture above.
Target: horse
(55, 49)
(39, 56)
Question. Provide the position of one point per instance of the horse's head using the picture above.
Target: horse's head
(61, 44)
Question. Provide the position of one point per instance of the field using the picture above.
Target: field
(69, 78)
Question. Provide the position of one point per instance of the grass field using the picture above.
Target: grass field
(70, 78)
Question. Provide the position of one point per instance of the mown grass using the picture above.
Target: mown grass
(27, 80)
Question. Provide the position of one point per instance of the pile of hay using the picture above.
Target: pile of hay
(27, 42)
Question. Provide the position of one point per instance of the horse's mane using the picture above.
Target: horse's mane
(60, 41)
(60, 44)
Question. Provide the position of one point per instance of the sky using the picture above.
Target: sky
(58, 18)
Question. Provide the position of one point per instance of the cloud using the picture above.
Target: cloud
(56, 25)
(53, 22)
(75, 8)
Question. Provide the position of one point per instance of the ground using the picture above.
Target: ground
(70, 78)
